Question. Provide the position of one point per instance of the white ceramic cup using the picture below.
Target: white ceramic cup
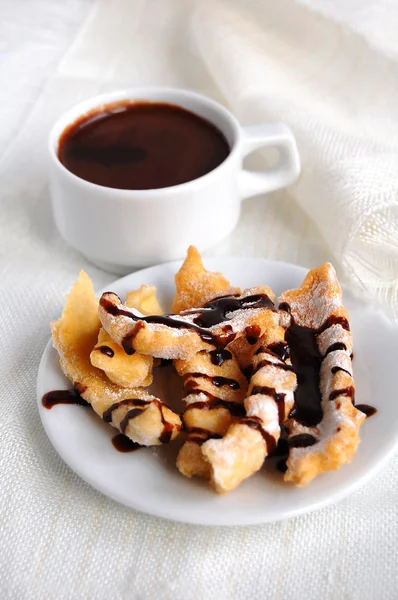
(122, 229)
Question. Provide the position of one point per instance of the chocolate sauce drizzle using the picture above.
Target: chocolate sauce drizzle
(285, 307)
(347, 391)
(334, 347)
(279, 365)
(216, 311)
(138, 408)
(335, 370)
(277, 396)
(302, 440)
(333, 320)
(282, 447)
(281, 465)
(106, 350)
(306, 360)
(127, 343)
(107, 416)
(130, 414)
(281, 450)
(200, 436)
(248, 372)
(368, 410)
(235, 408)
(64, 397)
(252, 332)
(123, 444)
(280, 349)
(255, 423)
(217, 381)
(219, 356)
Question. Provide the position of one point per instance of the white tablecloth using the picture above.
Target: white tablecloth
(60, 538)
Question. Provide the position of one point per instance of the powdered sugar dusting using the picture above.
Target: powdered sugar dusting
(192, 398)
(318, 298)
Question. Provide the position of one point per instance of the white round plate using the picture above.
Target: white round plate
(148, 480)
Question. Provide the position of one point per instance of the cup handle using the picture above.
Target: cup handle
(284, 172)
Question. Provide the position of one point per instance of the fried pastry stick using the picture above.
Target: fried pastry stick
(122, 369)
(195, 285)
(214, 391)
(134, 412)
(181, 336)
(249, 440)
(324, 427)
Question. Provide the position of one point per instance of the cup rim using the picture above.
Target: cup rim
(140, 93)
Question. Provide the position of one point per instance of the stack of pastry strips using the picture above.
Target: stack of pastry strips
(240, 358)
(77, 337)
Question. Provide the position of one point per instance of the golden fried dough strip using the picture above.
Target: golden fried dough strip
(74, 336)
(181, 336)
(317, 310)
(242, 451)
(195, 285)
(215, 388)
(144, 299)
(121, 368)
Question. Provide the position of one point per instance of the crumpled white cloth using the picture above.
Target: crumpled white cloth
(329, 70)
(337, 90)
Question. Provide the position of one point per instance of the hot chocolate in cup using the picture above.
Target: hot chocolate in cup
(180, 152)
